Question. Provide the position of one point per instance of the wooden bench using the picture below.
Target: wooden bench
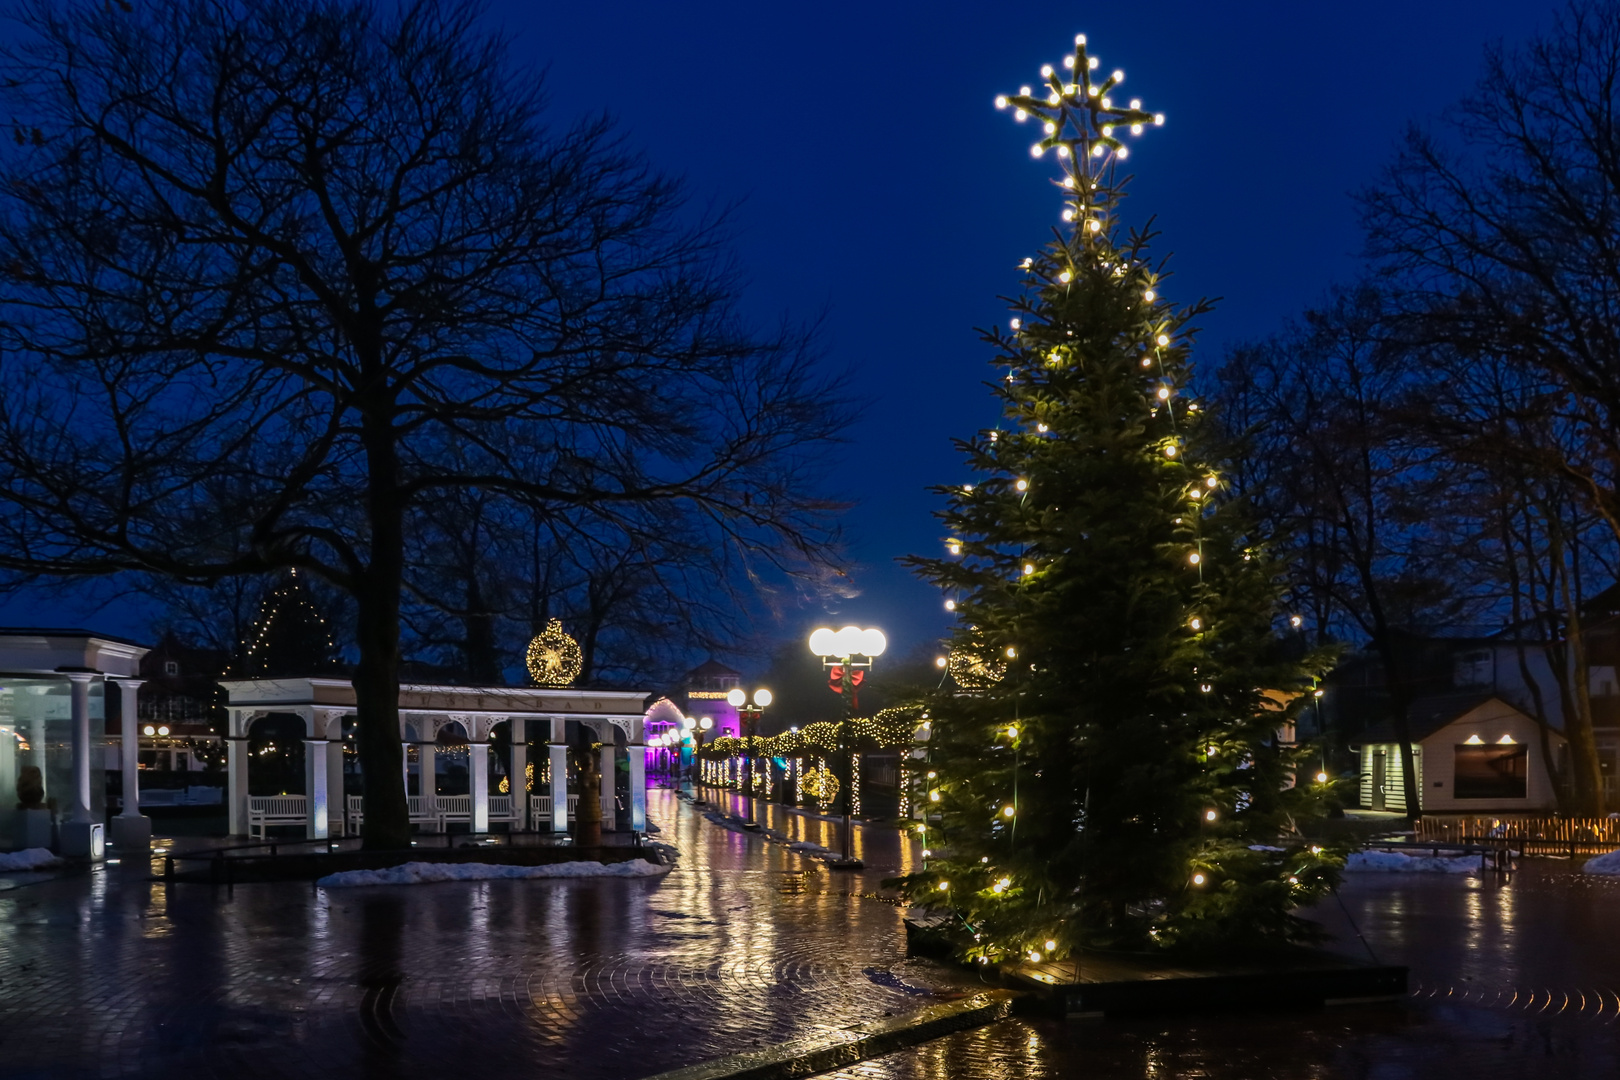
(421, 810)
(265, 811)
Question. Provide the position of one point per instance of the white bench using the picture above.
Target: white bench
(421, 810)
(267, 810)
(501, 808)
(540, 810)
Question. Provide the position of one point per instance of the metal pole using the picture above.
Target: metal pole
(849, 757)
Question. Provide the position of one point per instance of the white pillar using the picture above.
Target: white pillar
(337, 807)
(130, 746)
(236, 772)
(638, 787)
(81, 836)
(315, 794)
(81, 745)
(427, 771)
(605, 762)
(130, 829)
(478, 784)
(518, 780)
(559, 775)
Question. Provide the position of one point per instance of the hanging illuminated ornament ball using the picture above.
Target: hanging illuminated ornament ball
(820, 784)
(554, 658)
(971, 671)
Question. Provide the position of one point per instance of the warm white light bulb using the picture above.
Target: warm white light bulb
(1052, 98)
(1029, 568)
(1037, 150)
(1068, 61)
(1022, 485)
(1198, 879)
(1150, 296)
(1136, 129)
(950, 605)
(1068, 181)
(1094, 91)
(1020, 116)
(1170, 451)
(1041, 428)
(1119, 76)
(1065, 277)
(1001, 101)
(1194, 558)
(1046, 71)
(1079, 39)
(1195, 494)
(1163, 340)
(1210, 481)
(1063, 150)
(1136, 103)
(1158, 119)
(1196, 624)
(1091, 63)
(1007, 811)
(1051, 128)
(1094, 225)
(1124, 152)
(1164, 393)
(1098, 150)
(1209, 815)
(967, 489)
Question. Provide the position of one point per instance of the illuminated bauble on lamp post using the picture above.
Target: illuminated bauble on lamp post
(553, 658)
(844, 652)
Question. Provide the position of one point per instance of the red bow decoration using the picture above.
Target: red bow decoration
(835, 683)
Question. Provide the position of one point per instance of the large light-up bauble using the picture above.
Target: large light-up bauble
(821, 642)
(735, 698)
(762, 697)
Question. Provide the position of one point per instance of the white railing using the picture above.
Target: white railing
(267, 810)
(452, 808)
(501, 808)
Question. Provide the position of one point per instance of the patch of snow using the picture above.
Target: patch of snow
(1603, 864)
(34, 858)
(426, 873)
(1400, 862)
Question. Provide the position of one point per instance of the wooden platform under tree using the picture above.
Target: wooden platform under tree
(1098, 983)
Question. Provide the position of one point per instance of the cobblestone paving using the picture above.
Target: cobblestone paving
(109, 974)
(1512, 978)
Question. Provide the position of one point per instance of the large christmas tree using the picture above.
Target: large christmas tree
(1108, 769)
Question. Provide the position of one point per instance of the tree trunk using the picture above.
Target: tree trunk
(376, 678)
(1583, 755)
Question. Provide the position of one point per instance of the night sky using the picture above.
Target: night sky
(877, 185)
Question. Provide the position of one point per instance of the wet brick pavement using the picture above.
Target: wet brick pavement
(1513, 978)
(110, 974)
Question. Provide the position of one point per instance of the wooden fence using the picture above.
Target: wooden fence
(1531, 835)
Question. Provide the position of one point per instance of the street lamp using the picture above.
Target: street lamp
(704, 723)
(846, 650)
(749, 716)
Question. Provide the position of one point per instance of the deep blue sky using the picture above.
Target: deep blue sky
(878, 184)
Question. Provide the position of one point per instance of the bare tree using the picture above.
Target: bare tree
(263, 263)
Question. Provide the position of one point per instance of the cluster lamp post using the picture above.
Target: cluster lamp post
(748, 716)
(847, 650)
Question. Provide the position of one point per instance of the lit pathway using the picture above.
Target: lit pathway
(110, 974)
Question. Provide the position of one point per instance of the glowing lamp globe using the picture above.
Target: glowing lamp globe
(821, 642)
(706, 723)
(735, 698)
(688, 723)
(873, 642)
(762, 698)
(847, 642)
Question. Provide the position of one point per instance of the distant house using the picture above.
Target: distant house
(1472, 752)
(704, 692)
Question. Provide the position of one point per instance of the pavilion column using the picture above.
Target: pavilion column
(81, 835)
(606, 762)
(337, 806)
(478, 783)
(236, 772)
(316, 806)
(518, 776)
(638, 785)
(427, 771)
(559, 774)
(131, 828)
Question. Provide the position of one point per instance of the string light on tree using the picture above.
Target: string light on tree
(1104, 615)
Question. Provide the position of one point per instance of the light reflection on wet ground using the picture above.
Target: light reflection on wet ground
(1512, 976)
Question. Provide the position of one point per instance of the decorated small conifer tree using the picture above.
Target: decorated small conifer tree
(289, 636)
(1110, 766)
